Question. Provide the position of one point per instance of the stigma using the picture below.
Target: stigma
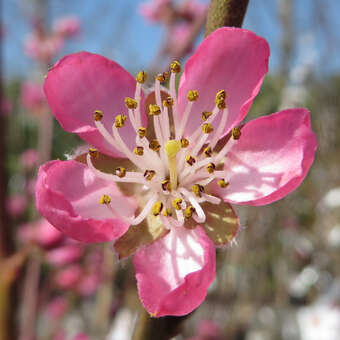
(174, 169)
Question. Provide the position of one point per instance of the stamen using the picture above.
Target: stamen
(154, 145)
(206, 115)
(211, 199)
(192, 95)
(189, 210)
(121, 172)
(207, 151)
(98, 115)
(145, 210)
(220, 128)
(166, 185)
(168, 102)
(157, 208)
(141, 77)
(198, 209)
(222, 183)
(221, 95)
(131, 103)
(174, 94)
(105, 199)
(184, 143)
(149, 174)
(171, 149)
(154, 110)
(141, 132)
(162, 77)
(93, 153)
(120, 121)
(190, 160)
(207, 128)
(175, 67)
(138, 150)
(198, 189)
(236, 132)
(167, 212)
(211, 168)
(176, 203)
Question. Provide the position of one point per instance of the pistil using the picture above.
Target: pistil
(171, 148)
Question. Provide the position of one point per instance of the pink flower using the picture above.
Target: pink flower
(184, 175)
(32, 96)
(154, 10)
(69, 276)
(29, 158)
(16, 205)
(67, 27)
(65, 254)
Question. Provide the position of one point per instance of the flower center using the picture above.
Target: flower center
(173, 169)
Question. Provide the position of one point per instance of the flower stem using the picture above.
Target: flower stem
(225, 13)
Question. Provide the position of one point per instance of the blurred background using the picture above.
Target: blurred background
(282, 278)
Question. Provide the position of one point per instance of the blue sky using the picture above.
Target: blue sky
(115, 29)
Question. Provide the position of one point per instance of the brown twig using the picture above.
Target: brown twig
(225, 13)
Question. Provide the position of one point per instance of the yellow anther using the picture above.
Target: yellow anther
(236, 133)
(197, 189)
(120, 121)
(154, 145)
(98, 115)
(148, 174)
(192, 95)
(131, 103)
(220, 103)
(207, 151)
(221, 95)
(141, 77)
(206, 115)
(154, 110)
(190, 160)
(166, 186)
(157, 208)
(162, 77)
(121, 172)
(105, 199)
(207, 128)
(184, 143)
(172, 147)
(93, 153)
(138, 150)
(168, 102)
(167, 212)
(141, 132)
(189, 210)
(176, 203)
(211, 168)
(175, 66)
(222, 183)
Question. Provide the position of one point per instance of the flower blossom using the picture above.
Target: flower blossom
(161, 184)
(67, 26)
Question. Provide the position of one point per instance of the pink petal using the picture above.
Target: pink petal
(67, 195)
(174, 273)
(232, 59)
(271, 158)
(64, 255)
(83, 82)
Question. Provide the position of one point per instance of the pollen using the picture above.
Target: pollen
(120, 121)
(206, 115)
(175, 66)
(131, 103)
(167, 212)
(157, 208)
(197, 189)
(141, 77)
(148, 174)
(162, 77)
(98, 115)
(220, 103)
(105, 199)
(93, 153)
(211, 168)
(154, 110)
(207, 128)
(184, 142)
(166, 186)
(192, 95)
(190, 160)
(189, 211)
(141, 132)
(154, 145)
(138, 150)
(176, 203)
(207, 151)
(121, 172)
(222, 183)
(236, 133)
(221, 95)
(168, 102)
